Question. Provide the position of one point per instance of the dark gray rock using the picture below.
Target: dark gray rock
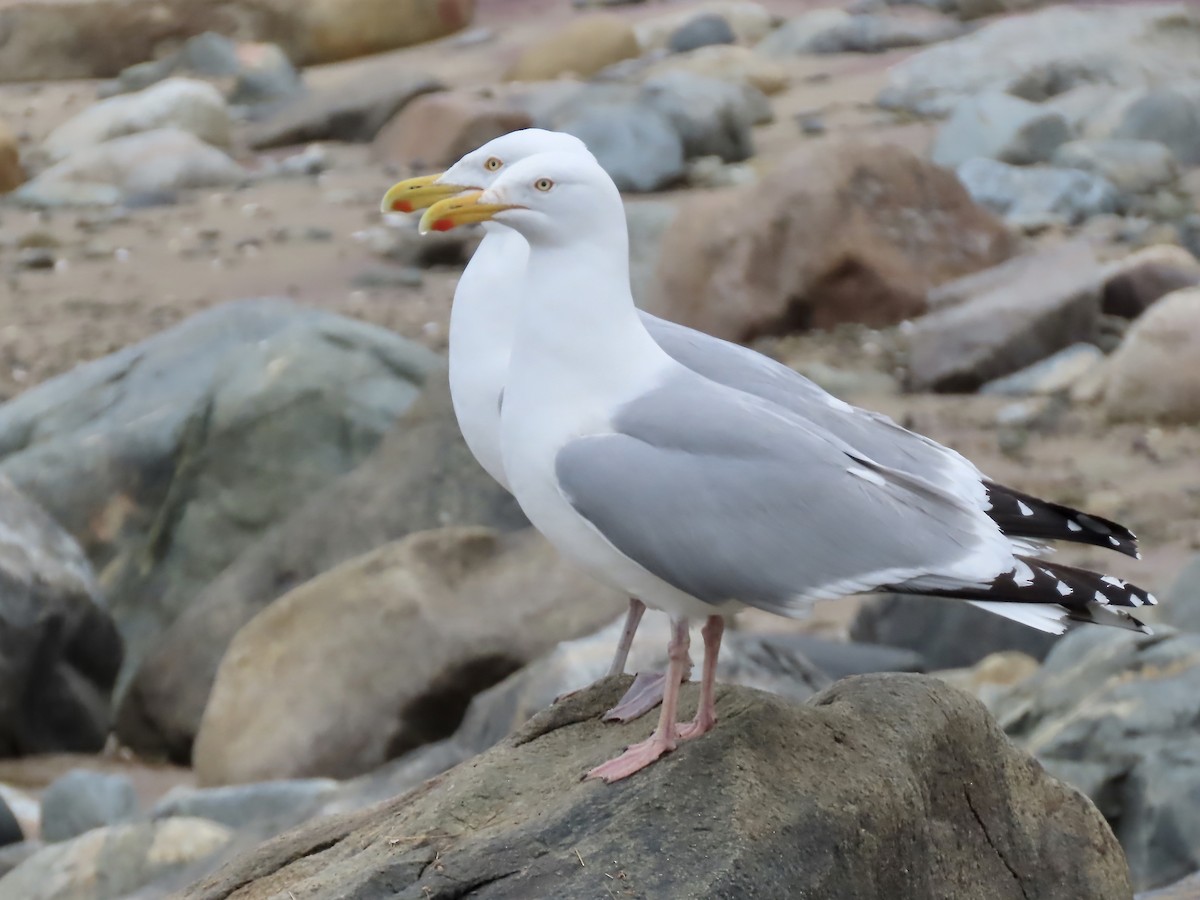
(59, 648)
(355, 111)
(10, 829)
(1017, 314)
(948, 634)
(701, 31)
(1131, 166)
(1181, 607)
(267, 807)
(999, 126)
(421, 476)
(1054, 374)
(780, 800)
(82, 800)
(1038, 197)
(168, 458)
(711, 116)
(1115, 713)
(638, 147)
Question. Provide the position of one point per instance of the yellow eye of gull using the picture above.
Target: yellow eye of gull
(492, 164)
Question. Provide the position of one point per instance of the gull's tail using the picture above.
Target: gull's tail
(1051, 596)
(1022, 516)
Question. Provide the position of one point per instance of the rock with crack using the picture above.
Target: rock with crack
(881, 786)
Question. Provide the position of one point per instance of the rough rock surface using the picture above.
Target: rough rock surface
(411, 631)
(881, 786)
(59, 648)
(420, 476)
(844, 233)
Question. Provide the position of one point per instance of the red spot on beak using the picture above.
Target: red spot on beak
(443, 224)
(402, 206)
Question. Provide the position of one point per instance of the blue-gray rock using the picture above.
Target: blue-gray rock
(10, 828)
(169, 457)
(1131, 166)
(838, 31)
(1169, 115)
(947, 634)
(1115, 714)
(701, 31)
(1182, 604)
(59, 648)
(1028, 55)
(711, 116)
(999, 126)
(1054, 374)
(266, 807)
(637, 146)
(81, 800)
(1032, 198)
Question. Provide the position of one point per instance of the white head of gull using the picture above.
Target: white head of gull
(700, 498)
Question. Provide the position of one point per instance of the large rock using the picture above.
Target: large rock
(58, 40)
(61, 650)
(1000, 126)
(1155, 373)
(1144, 277)
(637, 146)
(12, 173)
(713, 117)
(582, 47)
(1026, 55)
(1017, 314)
(1167, 114)
(836, 31)
(1131, 166)
(354, 110)
(948, 634)
(436, 130)
(1182, 606)
(112, 863)
(383, 653)
(149, 163)
(166, 459)
(838, 233)
(420, 476)
(267, 807)
(881, 786)
(180, 103)
(1114, 714)
(749, 22)
(728, 62)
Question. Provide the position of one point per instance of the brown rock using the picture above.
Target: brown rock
(1155, 373)
(383, 653)
(583, 48)
(728, 62)
(1143, 277)
(58, 40)
(1016, 315)
(837, 233)
(436, 130)
(12, 175)
(881, 786)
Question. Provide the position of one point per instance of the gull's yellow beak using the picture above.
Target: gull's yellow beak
(417, 193)
(464, 210)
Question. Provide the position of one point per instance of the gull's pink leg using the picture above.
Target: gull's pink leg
(646, 692)
(636, 609)
(662, 741)
(706, 713)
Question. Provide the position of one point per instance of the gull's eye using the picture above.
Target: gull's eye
(493, 164)
(543, 184)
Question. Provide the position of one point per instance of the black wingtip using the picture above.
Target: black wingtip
(1022, 515)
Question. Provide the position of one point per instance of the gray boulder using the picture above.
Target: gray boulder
(266, 807)
(712, 117)
(637, 146)
(1034, 198)
(81, 800)
(168, 458)
(881, 786)
(999, 126)
(1168, 114)
(1115, 715)
(420, 476)
(1132, 166)
(701, 31)
(59, 648)
(1182, 604)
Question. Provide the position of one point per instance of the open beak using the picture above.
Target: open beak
(464, 210)
(417, 193)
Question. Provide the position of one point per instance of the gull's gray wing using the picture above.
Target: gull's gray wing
(725, 496)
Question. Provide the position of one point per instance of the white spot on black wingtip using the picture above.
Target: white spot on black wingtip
(1151, 600)
(1113, 580)
(1064, 589)
(1112, 540)
(1025, 510)
(1101, 599)
(1137, 554)
(1072, 525)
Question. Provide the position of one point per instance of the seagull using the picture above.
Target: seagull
(699, 498)
(482, 325)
